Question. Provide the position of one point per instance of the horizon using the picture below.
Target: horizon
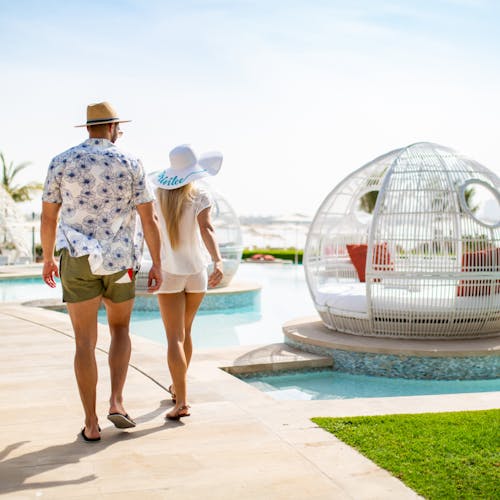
(296, 95)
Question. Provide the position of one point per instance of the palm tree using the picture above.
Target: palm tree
(367, 202)
(469, 199)
(9, 172)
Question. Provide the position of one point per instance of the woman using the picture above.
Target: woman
(184, 213)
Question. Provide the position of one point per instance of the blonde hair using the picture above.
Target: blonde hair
(172, 202)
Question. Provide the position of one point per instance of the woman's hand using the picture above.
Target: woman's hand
(208, 236)
(216, 275)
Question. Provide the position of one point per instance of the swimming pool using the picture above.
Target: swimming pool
(330, 384)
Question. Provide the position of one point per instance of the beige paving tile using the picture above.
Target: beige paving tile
(150, 494)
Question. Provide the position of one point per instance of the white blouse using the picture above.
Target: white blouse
(190, 256)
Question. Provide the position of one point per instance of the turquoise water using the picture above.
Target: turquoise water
(329, 384)
(25, 289)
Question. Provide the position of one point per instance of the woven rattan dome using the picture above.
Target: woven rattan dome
(13, 231)
(432, 258)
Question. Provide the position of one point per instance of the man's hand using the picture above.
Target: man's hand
(50, 213)
(154, 278)
(50, 270)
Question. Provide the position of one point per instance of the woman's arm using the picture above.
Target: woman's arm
(208, 236)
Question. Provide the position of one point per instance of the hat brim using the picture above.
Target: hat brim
(211, 162)
(171, 178)
(102, 123)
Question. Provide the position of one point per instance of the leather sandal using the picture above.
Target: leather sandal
(172, 393)
(183, 411)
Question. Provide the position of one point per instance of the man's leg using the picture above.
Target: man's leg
(84, 319)
(119, 351)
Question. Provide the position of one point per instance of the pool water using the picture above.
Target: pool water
(25, 289)
(330, 384)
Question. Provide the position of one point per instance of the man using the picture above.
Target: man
(97, 190)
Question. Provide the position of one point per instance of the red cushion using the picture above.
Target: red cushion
(381, 258)
(357, 254)
(479, 261)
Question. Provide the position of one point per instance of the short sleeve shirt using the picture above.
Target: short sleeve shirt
(99, 187)
(190, 256)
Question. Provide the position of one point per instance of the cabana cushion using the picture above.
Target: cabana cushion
(349, 299)
(381, 258)
(357, 254)
(487, 260)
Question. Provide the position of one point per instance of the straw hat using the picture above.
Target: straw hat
(185, 167)
(100, 113)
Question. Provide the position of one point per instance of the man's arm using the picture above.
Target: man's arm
(151, 230)
(48, 226)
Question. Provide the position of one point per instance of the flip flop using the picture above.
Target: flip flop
(121, 421)
(169, 390)
(87, 438)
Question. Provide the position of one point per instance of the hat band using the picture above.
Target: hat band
(102, 120)
(165, 180)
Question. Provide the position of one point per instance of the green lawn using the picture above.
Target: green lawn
(279, 253)
(439, 455)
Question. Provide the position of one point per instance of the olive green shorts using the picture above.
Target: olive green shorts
(79, 284)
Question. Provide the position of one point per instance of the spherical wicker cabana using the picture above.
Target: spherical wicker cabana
(409, 246)
(14, 242)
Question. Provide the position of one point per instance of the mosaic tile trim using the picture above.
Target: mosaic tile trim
(273, 373)
(211, 302)
(407, 366)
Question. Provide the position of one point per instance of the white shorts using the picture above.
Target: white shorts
(190, 283)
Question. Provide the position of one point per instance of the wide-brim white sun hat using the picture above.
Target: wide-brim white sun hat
(186, 167)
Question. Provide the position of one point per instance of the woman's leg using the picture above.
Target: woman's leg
(193, 301)
(172, 309)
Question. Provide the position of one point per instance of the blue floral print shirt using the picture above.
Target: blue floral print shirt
(98, 187)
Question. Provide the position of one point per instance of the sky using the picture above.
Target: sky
(296, 94)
